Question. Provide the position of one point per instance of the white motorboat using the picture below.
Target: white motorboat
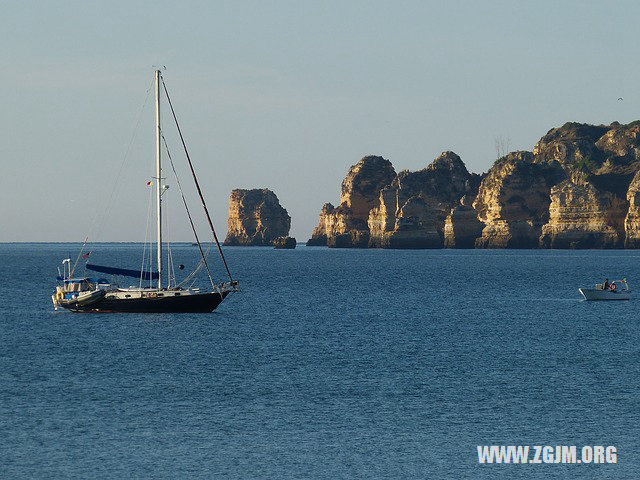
(617, 290)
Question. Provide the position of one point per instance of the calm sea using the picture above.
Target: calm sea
(329, 364)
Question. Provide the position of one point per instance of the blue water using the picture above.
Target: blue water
(329, 364)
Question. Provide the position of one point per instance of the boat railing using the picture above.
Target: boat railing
(622, 283)
(232, 286)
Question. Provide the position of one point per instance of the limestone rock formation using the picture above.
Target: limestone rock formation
(346, 225)
(632, 220)
(255, 218)
(462, 227)
(592, 208)
(573, 144)
(609, 152)
(582, 216)
(621, 141)
(578, 188)
(513, 201)
(284, 243)
(412, 211)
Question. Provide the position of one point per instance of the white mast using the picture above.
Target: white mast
(158, 179)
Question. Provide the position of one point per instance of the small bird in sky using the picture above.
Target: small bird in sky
(620, 98)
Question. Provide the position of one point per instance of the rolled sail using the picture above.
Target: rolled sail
(123, 271)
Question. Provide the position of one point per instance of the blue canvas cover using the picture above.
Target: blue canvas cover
(123, 271)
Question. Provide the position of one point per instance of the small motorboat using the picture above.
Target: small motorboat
(617, 290)
(82, 299)
(79, 292)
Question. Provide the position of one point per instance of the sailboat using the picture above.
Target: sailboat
(96, 294)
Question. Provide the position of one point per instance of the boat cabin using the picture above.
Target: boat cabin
(76, 285)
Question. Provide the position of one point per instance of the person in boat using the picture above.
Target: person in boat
(606, 284)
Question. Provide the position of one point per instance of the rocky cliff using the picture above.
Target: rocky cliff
(581, 216)
(255, 218)
(632, 220)
(578, 188)
(413, 209)
(594, 207)
(571, 145)
(513, 201)
(462, 227)
(346, 225)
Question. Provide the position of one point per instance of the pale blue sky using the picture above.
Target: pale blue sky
(285, 95)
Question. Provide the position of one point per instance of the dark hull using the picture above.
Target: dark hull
(198, 303)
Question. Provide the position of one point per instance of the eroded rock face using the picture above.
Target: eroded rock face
(578, 188)
(571, 144)
(513, 201)
(346, 225)
(609, 153)
(255, 218)
(462, 227)
(412, 211)
(287, 243)
(632, 220)
(416, 224)
(592, 207)
(581, 216)
(621, 141)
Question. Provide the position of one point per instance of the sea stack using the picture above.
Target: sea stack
(256, 218)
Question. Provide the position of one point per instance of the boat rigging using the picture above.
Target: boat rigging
(88, 294)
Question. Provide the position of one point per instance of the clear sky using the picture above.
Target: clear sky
(284, 95)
